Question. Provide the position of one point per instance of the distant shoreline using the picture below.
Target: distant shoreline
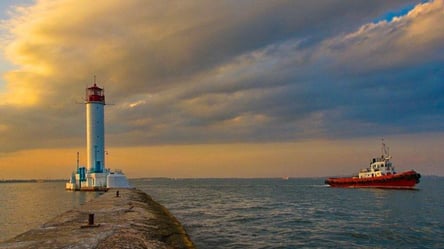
(30, 180)
(172, 178)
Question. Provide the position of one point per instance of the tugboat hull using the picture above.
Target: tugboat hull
(405, 180)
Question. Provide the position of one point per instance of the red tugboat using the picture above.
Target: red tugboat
(380, 174)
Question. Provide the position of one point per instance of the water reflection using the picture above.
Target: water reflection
(28, 205)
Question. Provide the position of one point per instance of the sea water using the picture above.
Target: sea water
(262, 213)
(302, 213)
(28, 205)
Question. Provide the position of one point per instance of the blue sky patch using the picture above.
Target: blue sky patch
(389, 16)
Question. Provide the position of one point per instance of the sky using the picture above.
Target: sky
(223, 88)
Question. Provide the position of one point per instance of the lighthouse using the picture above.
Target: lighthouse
(95, 129)
(95, 136)
(95, 176)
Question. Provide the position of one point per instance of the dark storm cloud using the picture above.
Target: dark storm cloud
(226, 71)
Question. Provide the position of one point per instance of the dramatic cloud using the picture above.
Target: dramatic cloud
(182, 72)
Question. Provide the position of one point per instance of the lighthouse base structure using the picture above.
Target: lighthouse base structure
(97, 181)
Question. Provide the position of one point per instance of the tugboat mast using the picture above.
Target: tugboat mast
(385, 151)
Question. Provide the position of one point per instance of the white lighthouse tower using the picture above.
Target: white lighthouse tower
(95, 176)
(95, 129)
(95, 136)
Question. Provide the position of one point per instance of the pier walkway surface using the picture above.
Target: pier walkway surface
(131, 220)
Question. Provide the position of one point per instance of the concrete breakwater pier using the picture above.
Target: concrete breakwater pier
(120, 218)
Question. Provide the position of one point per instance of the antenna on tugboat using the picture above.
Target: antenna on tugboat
(382, 147)
(385, 150)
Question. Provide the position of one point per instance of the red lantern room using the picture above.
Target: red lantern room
(95, 94)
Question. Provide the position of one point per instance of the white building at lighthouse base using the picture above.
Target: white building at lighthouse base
(96, 181)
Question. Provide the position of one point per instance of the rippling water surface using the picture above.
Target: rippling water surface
(302, 213)
(24, 206)
(262, 213)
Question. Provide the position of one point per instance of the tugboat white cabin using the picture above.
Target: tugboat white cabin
(379, 166)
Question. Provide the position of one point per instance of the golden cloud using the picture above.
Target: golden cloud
(407, 39)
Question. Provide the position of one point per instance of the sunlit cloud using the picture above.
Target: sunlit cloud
(411, 39)
(245, 71)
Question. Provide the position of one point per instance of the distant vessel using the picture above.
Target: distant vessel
(380, 174)
(95, 177)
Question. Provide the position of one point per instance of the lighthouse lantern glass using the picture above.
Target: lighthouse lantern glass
(95, 93)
